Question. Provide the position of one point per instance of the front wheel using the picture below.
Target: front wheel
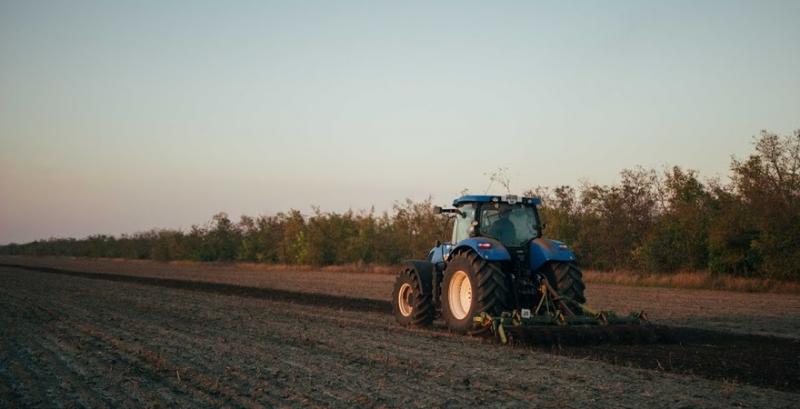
(471, 286)
(410, 304)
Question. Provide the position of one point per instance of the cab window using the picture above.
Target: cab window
(463, 223)
(512, 225)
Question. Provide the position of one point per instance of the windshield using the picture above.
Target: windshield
(512, 225)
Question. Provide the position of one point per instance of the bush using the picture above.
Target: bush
(659, 223)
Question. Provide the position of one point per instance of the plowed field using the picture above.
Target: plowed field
(83, 339)
(744, 313)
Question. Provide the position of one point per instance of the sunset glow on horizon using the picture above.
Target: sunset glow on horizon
(117, 117)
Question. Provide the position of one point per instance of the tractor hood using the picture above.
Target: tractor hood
(544, 250)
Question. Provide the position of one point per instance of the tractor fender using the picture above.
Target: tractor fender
(544, 250)
(424, 270)
(496, 251)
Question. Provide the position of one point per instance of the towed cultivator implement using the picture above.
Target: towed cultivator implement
(553, 321)
(499, 275)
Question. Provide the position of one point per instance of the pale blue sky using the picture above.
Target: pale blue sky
(120, 117)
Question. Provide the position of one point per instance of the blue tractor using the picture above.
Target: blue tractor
(496, 262)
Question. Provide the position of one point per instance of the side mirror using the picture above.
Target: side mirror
(439, 210)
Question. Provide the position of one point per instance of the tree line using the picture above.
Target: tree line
(652, 221)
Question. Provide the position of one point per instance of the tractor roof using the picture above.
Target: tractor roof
(496, 198)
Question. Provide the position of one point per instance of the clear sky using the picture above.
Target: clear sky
(123, 116)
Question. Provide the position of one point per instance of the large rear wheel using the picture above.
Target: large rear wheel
(472, 285)
(410, 304)
(566, 278)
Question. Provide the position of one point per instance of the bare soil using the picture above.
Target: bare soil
(70, 341)
(744, 313)
(758, 360)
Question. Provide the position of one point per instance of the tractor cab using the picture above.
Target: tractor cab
(510, 220)
(504, 223)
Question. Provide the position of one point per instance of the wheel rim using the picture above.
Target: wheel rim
(404, 299)
(460, 295)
